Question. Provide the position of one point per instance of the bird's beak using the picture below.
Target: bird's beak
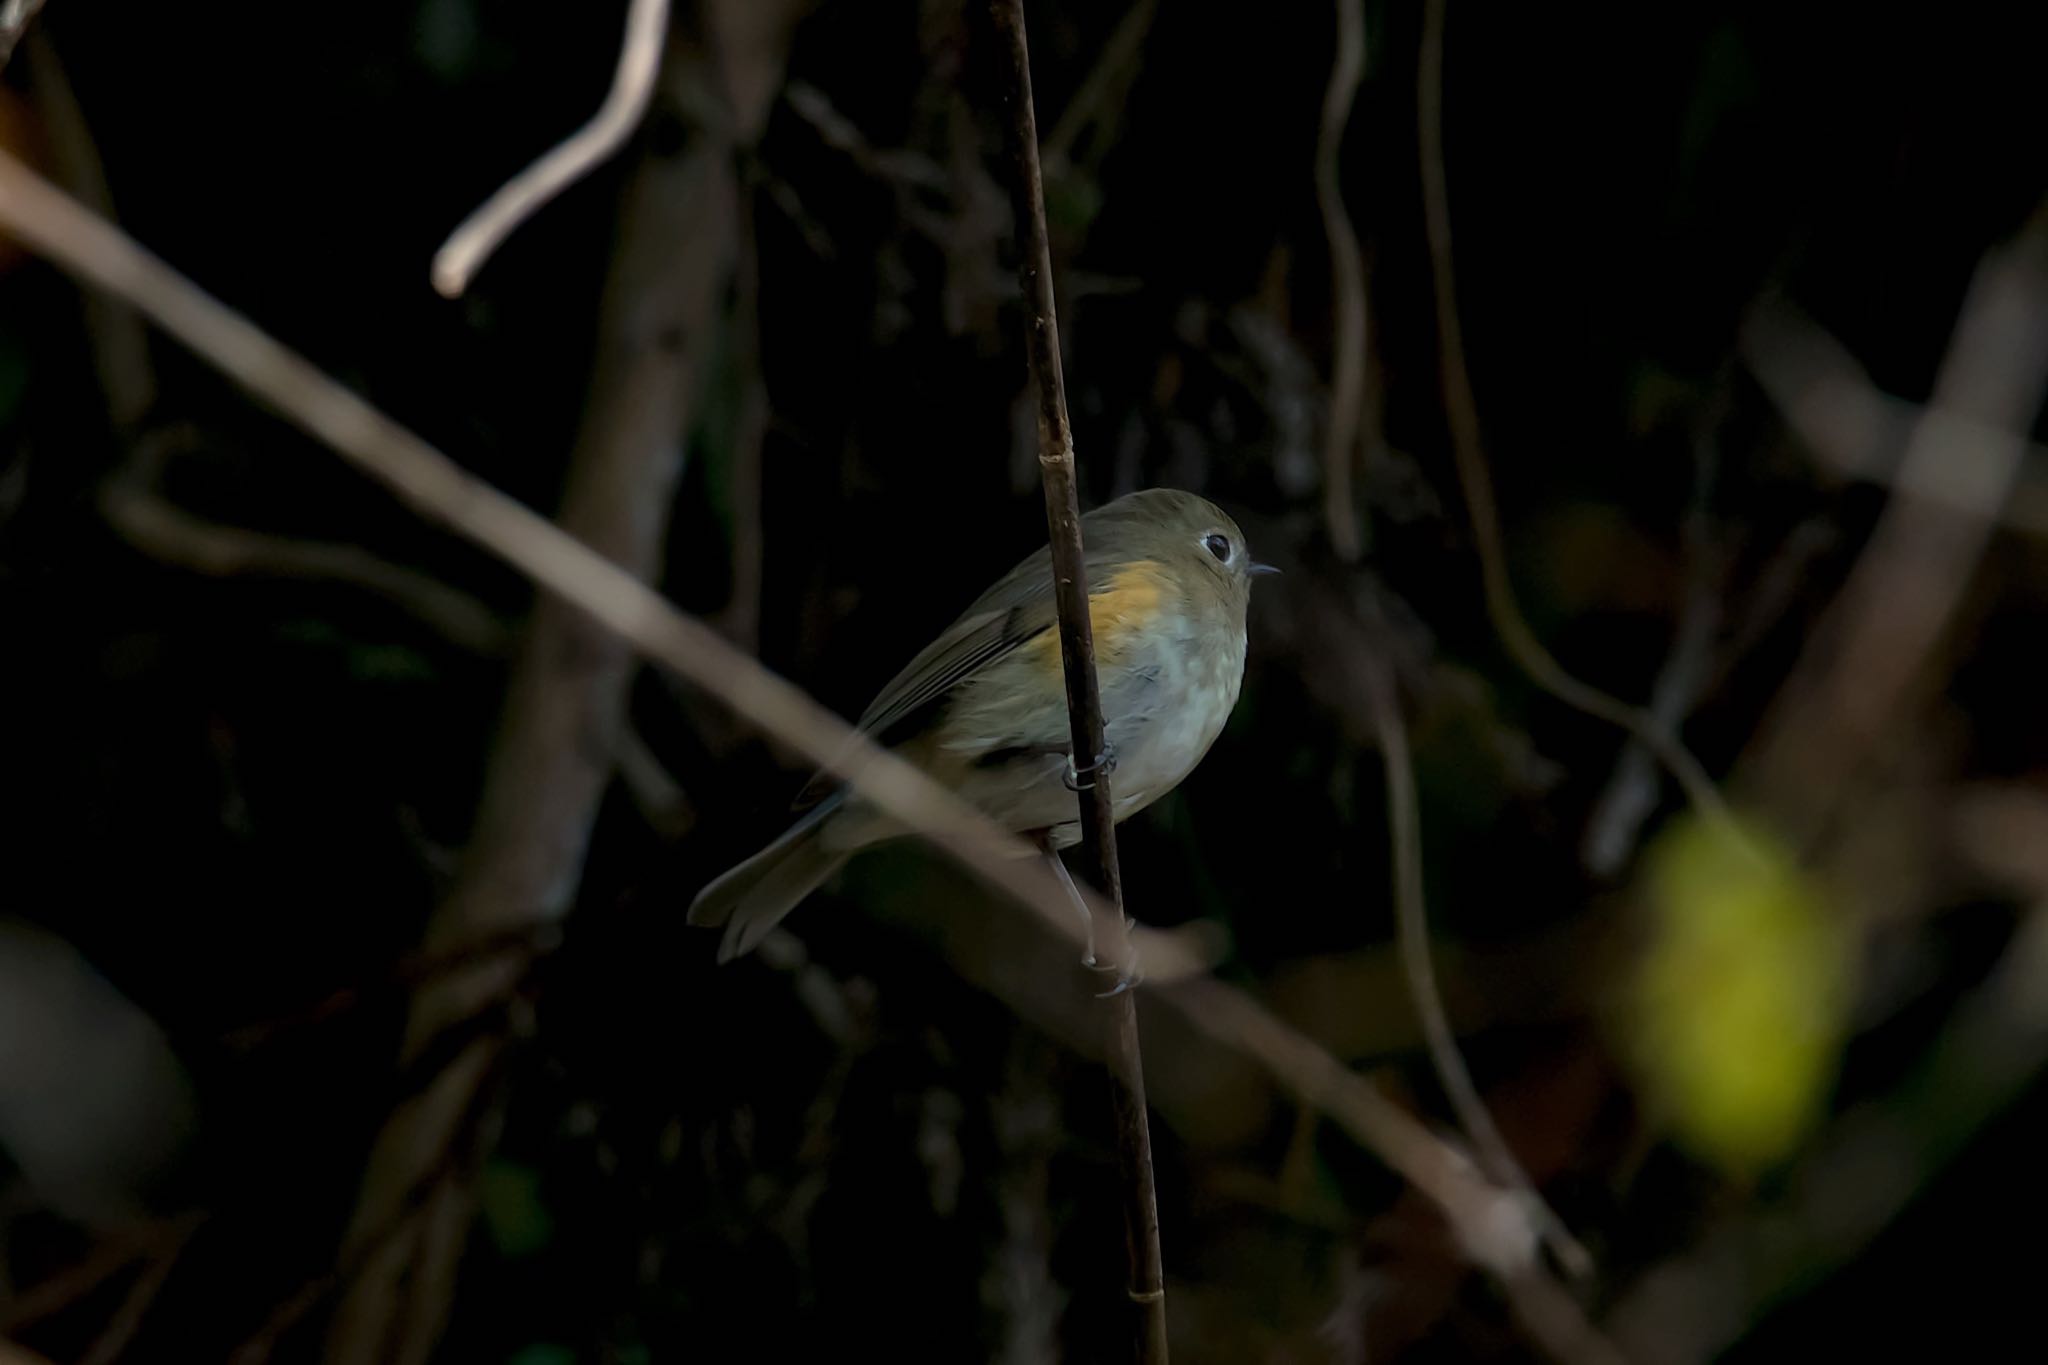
(1257, 569)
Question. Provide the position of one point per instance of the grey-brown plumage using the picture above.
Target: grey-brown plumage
(983, 708)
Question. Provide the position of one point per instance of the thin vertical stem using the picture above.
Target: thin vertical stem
(1146, 1286)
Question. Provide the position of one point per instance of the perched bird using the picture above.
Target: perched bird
(983, 709)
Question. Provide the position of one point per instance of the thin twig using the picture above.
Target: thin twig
(1147, 1280)
(1347, 286)
(1485, 1219)
(472, 243)
(1411, 921)
(1468, 452)
(1631, 793)
(133, 506)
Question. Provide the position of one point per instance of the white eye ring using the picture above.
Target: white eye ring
(1218, 546)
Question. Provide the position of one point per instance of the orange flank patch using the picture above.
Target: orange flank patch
(1119, 612)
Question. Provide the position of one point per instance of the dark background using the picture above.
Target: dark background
(236, 794)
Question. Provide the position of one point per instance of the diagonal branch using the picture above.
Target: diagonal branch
(1487, 1221)
(1147, 1283)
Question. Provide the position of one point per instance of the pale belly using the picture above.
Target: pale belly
(1002, 743)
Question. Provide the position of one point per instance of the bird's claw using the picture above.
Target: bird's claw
(1083, 777)
(1128, 973)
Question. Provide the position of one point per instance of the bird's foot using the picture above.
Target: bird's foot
(1083, 777)
(1128, 972)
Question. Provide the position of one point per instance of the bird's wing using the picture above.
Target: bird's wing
(1013, 611)
(1010, 614)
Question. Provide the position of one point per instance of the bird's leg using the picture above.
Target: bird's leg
(1127, 974)
(1059, 870)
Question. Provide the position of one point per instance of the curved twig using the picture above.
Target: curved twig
(1468, 452)
(472, 243)
(1411, 921)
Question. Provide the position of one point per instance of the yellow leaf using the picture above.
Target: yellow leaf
(1737, 1009)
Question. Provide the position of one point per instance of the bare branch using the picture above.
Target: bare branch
(1958, 471)
(1469, 453)
(1347, 286)
(472, 243)
(96, 251)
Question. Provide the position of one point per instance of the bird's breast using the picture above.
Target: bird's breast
(1167, 703)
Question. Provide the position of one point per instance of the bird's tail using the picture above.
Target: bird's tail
(752, 898)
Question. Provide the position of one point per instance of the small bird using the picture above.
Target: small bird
(983, 709)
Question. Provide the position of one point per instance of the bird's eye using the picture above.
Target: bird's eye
(1218, 546)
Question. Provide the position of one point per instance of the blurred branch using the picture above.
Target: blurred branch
(564, 711)
(1411, 919)
(108, 1257)
(1347, 270)
(1090, 746)
(1859, 432)
(14, 20)
(1468, 452)
(741, 618)
(840, 133)
(526, 942)
(365, 1246)
(1113, 69)
(1631, 793)
(472, 243)
(1491, 1224)
(120, 1330)
(1853, 681)
(1485, 1219)
(159, 527)
(120, 343)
